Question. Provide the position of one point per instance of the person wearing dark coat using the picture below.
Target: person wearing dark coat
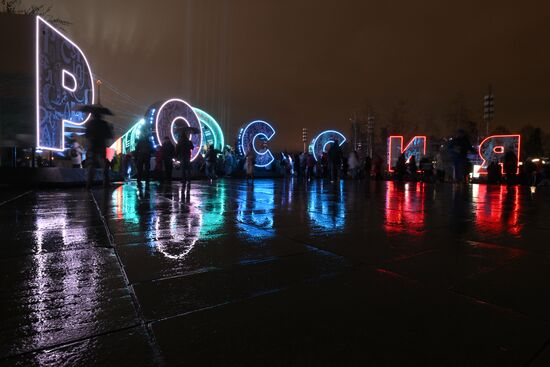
(183, 152)
(510, 162)
(459, 147)
(98, 133)
(400, 168)
(493, 173)
(367, 167)
(168, 153)
(335, 160)
(413, 168)
(142, 155)
(211, 158)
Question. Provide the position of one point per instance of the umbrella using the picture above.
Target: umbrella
(94, 109)
(188, 130)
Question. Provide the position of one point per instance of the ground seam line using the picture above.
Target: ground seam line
(71, 342)
(15, 198)
(133, 295)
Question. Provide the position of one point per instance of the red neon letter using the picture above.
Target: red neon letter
(416, 147)
(493, 148)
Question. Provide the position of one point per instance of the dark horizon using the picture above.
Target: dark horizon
(317, 64)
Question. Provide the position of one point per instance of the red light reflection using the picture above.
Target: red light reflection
(497, 209)
(404, 208)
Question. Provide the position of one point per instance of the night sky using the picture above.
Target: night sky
(315, 63)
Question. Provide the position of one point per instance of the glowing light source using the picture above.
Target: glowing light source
(64, 76)
(319, 144)
(416, 147)
(492, 148)
(257, 129)
(212, 134)
(63, 80)
(173, 127)
(475, 173)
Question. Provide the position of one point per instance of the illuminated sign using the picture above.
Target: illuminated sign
(493, 148)
(212, 134)
(63, 81)
(172, 116)
(127, 143)
(320, 144)
(416, 147)
(257, 132)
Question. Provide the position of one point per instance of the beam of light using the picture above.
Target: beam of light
(58, 108)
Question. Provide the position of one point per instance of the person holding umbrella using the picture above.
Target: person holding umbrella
(98, 134)
(183, 151)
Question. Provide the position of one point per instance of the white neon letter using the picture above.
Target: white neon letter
(59, 89)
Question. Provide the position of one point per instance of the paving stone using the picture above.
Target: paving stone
(357, 318)
(172, 296)
(278, 272)
(105, 350)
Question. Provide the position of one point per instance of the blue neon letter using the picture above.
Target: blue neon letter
(257, 129)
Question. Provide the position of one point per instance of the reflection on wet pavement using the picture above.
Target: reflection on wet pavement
(278, 272)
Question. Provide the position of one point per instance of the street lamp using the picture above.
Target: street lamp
(98, 83)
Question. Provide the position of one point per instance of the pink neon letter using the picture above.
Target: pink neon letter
(493, 148)
(416, 147)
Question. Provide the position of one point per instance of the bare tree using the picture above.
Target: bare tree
(500, 130)
(532, 141)
(15, 7)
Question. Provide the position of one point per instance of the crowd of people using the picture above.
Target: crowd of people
(333, 164)
(450, 163)
(146, 163)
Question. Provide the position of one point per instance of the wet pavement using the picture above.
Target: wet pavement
(276, 273)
